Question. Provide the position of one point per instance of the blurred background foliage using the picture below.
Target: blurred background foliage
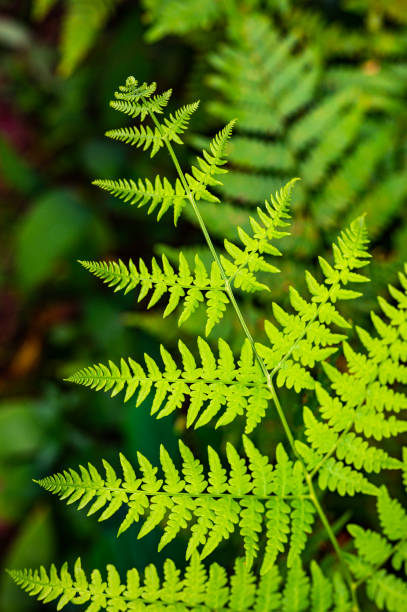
(319, 90)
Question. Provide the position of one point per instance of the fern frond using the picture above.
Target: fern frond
(80, 26)
(371, 546)
(296, 591)
(193, 288)
(154, 104)
(374, 550)
(325, 127)
(267, 227)
(347, 445)
(160, 194)
(220, 502)
(353, 177)
(321, 590)
(393, 517)
(180, 17)
(198, 587)
(147, 137)
(305, 338)
(363, 396)
(133, 91)
(387, 590)
(209, 165)
(218, 388)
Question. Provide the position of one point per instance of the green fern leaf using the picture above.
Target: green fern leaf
(250, 498)
(154, 138)
(296, 591)
(393, 517)
(321, 591)
(387, 591)
(159, 194)
(209, 387)
(195, 588)
(209, 165)
(155, 104)
(305, 339)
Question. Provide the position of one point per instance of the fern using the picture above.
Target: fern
(297, 118)
(178, 17)
(197, 588)
(218, 384)
(215, 505)
(362, 398)
(375, 550)
(355, 400)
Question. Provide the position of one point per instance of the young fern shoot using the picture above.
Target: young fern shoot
(272, 505)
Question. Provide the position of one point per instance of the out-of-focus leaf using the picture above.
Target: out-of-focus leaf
(21, 432)
(51, 229)
(14, 170)
(13, 34)
(14, 497)
(34, 546)
(41, 8)
(82, 23)
(103, 158)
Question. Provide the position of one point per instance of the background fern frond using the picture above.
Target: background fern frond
(83, 20)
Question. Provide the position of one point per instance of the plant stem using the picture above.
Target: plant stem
(264, 369)
(334, 541)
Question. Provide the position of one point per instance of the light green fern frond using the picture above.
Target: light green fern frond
(376, 550)
(132, 107)
(361, 406)
(306, 338)
(209, 165)
(201, 285)
(189, 287)
(250, 499)
(269, 226)
(218, 387)
(154, 138)
(198, 587)
(159, 194)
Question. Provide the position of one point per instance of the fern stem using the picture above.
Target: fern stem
(212, 249)
(264, 369)
(352, 585)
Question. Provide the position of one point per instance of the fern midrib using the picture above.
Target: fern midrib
(265, 371)
(101, 490)
(188, 381)
(164, 281)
